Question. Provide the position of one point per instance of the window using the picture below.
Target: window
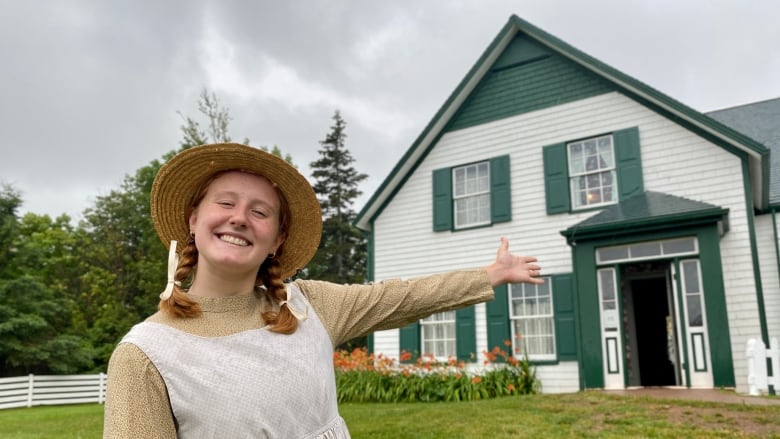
(531, 317)
(597, 171)
(471, 194)
(592, 173)
(438, 335)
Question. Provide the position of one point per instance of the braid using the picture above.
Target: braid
(179, 304)
(284, 321)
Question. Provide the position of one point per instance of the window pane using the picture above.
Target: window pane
(607, 284)
(612, 253)
(646, 250)
(438, 334)
(694, 310)
(691, 276)
(687, 245)
(592, 174)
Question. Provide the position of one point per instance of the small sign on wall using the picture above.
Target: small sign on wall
(610, 319)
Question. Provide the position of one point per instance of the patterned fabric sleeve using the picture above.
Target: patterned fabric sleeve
(136, 399)
(350, 311)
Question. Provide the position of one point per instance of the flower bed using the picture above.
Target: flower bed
(364, 377)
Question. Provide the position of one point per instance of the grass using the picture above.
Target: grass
(580, 415)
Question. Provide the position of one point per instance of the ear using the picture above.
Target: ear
(279, 242)
(193, 219)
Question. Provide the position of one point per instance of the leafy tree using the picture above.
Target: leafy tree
(341, 256)
(40, 276)
(10, 201)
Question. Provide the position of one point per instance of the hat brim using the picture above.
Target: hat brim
(177, 181)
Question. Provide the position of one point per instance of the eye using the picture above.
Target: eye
(225, 203)
(259, 213)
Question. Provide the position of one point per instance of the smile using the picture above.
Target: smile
(234, 240)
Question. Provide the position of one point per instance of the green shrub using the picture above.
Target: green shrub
(363, 377)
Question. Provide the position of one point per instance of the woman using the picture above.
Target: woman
(235, 352)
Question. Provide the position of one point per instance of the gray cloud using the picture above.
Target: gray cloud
(89, 90)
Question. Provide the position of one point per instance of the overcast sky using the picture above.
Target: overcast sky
(90, 90)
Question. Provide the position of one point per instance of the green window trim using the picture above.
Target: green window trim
(465, 337)
(628, 164)
(497, 316)
(498, 322)
(500, 195)
(564, 317)
(409, 341)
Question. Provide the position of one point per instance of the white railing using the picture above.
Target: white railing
(759, 379)
(27, 391)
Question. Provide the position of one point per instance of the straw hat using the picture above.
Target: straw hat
(177, 181)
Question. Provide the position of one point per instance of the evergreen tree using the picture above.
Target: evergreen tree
(341, 256)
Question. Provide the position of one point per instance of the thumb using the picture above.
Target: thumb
(504, 246)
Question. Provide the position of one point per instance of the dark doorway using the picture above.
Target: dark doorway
(652, 323)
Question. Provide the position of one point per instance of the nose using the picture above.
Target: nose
(238, 218)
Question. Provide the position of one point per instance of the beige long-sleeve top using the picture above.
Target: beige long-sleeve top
(137, 403)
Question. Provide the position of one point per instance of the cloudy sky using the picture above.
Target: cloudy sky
(92, 90)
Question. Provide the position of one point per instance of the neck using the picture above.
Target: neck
(213, 285)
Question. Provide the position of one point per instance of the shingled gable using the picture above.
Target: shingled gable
(712, 130)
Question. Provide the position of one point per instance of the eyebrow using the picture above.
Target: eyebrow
(252, 202)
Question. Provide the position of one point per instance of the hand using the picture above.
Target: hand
(509, 268)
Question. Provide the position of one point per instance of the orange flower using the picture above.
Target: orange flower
(507, 343)
(406, 355)
(476, 380)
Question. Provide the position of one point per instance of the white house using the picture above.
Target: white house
(655, 223)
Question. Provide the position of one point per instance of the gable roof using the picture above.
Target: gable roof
(646, 211)
(705, 126)
(760, 121)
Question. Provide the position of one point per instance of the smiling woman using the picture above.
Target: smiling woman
(234, 350)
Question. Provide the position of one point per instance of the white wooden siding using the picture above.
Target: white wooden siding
(559, 378)
(674, 161)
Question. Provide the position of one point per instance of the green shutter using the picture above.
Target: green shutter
(465, 334)
(442, 199)
(628, 162)
(497, 313)
(409, 339)
(370, 343)
(556, 178)
(565, 327)
(500, 197)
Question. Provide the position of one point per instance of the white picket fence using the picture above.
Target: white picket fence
(27, 391)
(759, 379)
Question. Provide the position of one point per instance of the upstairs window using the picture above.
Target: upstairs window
(471, 194)
(592, 173)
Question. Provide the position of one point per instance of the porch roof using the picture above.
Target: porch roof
(645, 212)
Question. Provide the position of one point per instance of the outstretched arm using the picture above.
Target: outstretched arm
(509, 268)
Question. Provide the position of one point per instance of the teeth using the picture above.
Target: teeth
(234, 240)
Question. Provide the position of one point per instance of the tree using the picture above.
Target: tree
(38, 282)
(341, 256)
(10, 201)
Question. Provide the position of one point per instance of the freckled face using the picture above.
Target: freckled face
(236, 225)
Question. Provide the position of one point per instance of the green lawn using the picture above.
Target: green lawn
(585, 414)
